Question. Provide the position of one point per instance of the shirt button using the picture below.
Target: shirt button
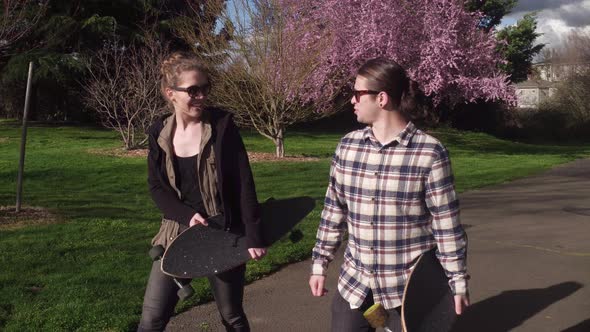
(376, 173)
(372, 199)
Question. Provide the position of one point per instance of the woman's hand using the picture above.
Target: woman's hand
(197, 219)
(257, 253)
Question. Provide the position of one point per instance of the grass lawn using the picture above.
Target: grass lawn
(88, 271)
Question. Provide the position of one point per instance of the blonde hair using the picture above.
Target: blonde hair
(177, 63)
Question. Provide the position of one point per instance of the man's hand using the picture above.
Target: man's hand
(257, 253)
(197, 219)
(461, 303)
(316, 283)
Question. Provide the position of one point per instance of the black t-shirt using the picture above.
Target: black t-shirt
(187, 182)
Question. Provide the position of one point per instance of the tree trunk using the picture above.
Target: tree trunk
(279, 144)
(280, 148)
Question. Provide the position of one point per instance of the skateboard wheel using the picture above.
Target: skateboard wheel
(185, 292)
(156, 252)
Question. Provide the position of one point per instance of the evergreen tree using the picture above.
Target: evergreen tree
(493, 11)
(517, 43)
(518, 47)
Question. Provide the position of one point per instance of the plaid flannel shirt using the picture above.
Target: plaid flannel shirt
(397, 201)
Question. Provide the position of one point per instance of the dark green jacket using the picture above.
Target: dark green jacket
(225, 178)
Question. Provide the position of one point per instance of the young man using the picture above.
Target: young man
(391, 186)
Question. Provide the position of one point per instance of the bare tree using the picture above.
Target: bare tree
(258, 70)
(571, 64)
(17, 19)
(124, 89)
(575, 49)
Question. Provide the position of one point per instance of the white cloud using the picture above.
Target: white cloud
(555, 32)
(556, 19)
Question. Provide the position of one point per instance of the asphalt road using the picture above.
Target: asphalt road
(529, 261)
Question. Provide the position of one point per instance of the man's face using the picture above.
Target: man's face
(366, 107)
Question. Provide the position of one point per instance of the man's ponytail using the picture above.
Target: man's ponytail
(386, 75)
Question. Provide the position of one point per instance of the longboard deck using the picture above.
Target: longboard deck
(201, 251)
(428, 303)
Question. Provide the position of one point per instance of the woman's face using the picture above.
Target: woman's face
(366, 107)
(189, 104)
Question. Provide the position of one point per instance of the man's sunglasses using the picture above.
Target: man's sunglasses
(194, 90)
(358, 93)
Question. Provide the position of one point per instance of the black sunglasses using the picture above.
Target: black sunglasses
(194, 90)
(358, 93)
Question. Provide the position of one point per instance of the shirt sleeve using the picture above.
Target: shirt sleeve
(332, 223)
(451, 239)
(249, 207)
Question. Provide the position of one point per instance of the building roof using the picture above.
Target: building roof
(564, 62)
(533, 84)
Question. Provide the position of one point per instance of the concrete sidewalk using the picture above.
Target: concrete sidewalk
(529, 260)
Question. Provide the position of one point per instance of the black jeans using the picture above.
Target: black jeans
(345, 319)
(160, 299)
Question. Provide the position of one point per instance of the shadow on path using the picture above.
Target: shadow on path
(510, 309)
(581, 327)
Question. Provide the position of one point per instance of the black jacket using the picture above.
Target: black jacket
(235, 182)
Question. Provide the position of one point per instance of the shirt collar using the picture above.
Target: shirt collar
(165, 138)
(403, 138)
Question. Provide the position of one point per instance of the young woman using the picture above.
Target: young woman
(197, 168)
(391, 185)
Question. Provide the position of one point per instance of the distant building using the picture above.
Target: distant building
(557, 71)
(531, 93)
(543, 83)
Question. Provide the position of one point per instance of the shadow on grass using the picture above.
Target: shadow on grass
(5, 313)
(510, 309)
(103, 212)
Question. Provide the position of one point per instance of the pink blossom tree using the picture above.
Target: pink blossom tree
(437, 41)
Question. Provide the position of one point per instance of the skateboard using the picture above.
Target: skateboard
(201, 251)
(428, 304)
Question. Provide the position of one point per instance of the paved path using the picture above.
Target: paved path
(529, 259)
